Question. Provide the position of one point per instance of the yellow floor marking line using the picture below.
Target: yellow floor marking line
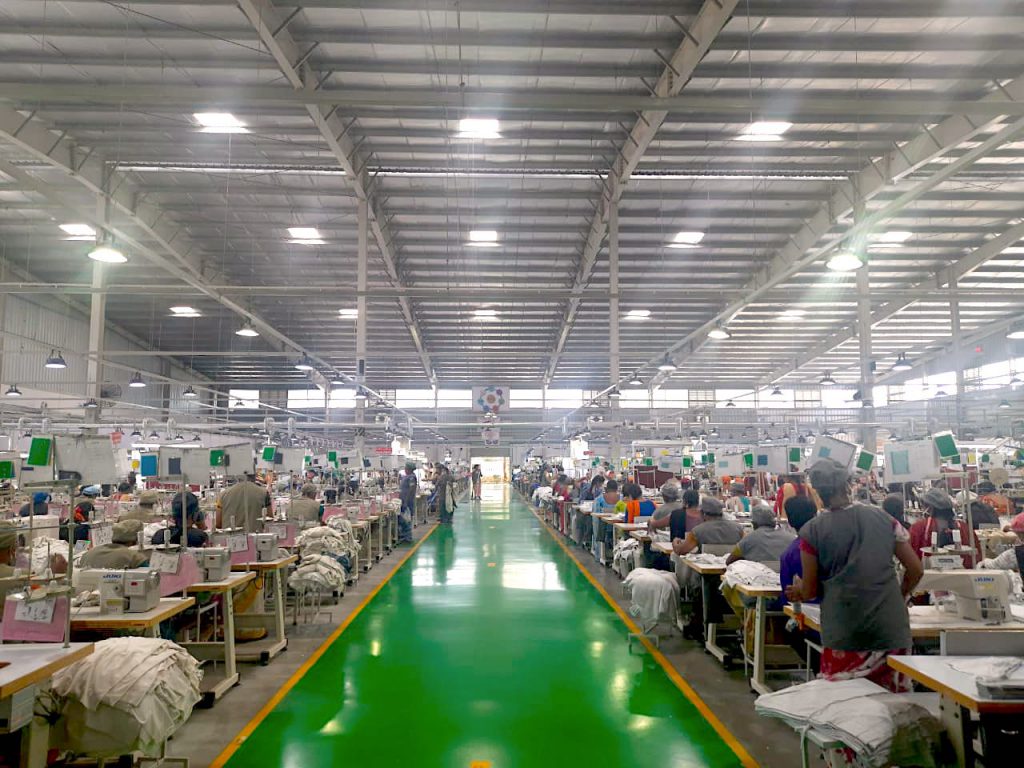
(260, 716)
(745, 758)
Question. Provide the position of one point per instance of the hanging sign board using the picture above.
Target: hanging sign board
(90, 456)
(826, 447)
(772, 458)
(911, 461)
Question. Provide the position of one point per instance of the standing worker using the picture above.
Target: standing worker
(306, 509)
(242, 505)
(444, 494)
(477, 475)
(407, 493)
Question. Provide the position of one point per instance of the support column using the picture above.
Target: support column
(615, 447)
(958, 353)
(868, 435)
(97, 337)
(363, 213)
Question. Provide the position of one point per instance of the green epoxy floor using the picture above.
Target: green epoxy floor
(487, 647)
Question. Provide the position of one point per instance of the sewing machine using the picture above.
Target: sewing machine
(132, 591)
(265, 545)
(214, 562)
(978, 595)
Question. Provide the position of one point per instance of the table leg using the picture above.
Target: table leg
(230, 660)
(711, 627)
(278, 604)
(957, 720)
(757, 681)
(35, 742)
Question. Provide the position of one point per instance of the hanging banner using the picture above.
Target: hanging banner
(491, 435)
(490, 399)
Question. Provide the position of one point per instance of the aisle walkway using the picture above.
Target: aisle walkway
(487, 649)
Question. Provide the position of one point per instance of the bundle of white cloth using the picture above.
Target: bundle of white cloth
(624, 557)
(150, 530)
(542, 492)
(43, 550)
(318, 572)
(321, 540)
(654, 596)
(130, 694)
(700, 558)
(751, 574)
(882, 728)
(343, 527)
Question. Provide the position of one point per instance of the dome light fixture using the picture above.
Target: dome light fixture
(827, 380)
(902, 364)
(55, 361)
(247, 330)
(635, 380)
(13, 391)
(614, 394)
(667, 365)
(137, 381)
(1016, 332)
(1004, 403)
(844, 261)
(91, 403)
(718, 333)
(730, 404)
(135, 433)
(304, 364)
(776, 392)
(190, 393)
(153, 435)
(361, 394)
(105, 253)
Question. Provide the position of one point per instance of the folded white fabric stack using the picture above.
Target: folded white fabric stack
(150, 530)
(343, 527)
(321, 540)
(318, 572)
(882, 728)
(655, 596)
(130, 694)
(704, 559)
(624, 556)
(751, 574)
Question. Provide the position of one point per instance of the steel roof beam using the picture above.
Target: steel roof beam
(291, 60)
(705, 27)
(802, 250)
(781, 104)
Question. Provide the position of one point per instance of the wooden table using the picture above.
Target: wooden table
(761, 595)
(264, 650)
(710, 575)
(216, 685)
(958, 698)
(926, 621)
(621, 530)
(665, 547)
(90, 619)
(30, 667)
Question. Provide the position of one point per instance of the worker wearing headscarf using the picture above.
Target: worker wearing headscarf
(38, 506)
(940, 519)
(8, 550)
(122, 552)
(145, 510)
(185, 517)
(306, 509)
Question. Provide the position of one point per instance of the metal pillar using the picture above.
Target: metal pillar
(97, 335)
(868, 434)
(958, 360)
(361, 270)
(615, 446)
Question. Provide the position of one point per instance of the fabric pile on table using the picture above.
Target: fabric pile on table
(150, 530)
(131, 694)
(343, 527)
(655, 596)
(708, 560)
(325, 557)
(880, 727)
(43, 550)
(542, 492)
(751, 574)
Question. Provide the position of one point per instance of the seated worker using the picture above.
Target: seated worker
(81, 515)
(766, 542)
(738, 504)
(989, 494)
(145, 510)
(636, 504)
(608, 501)
(983, 514)
(183, 520)
(592, 491)
(894, 505)
(306, 509)
(1007, 560)
(941, 519)
(40, 505)
(122, 552)
(800, 510)
(671, 514)
(713, 530)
